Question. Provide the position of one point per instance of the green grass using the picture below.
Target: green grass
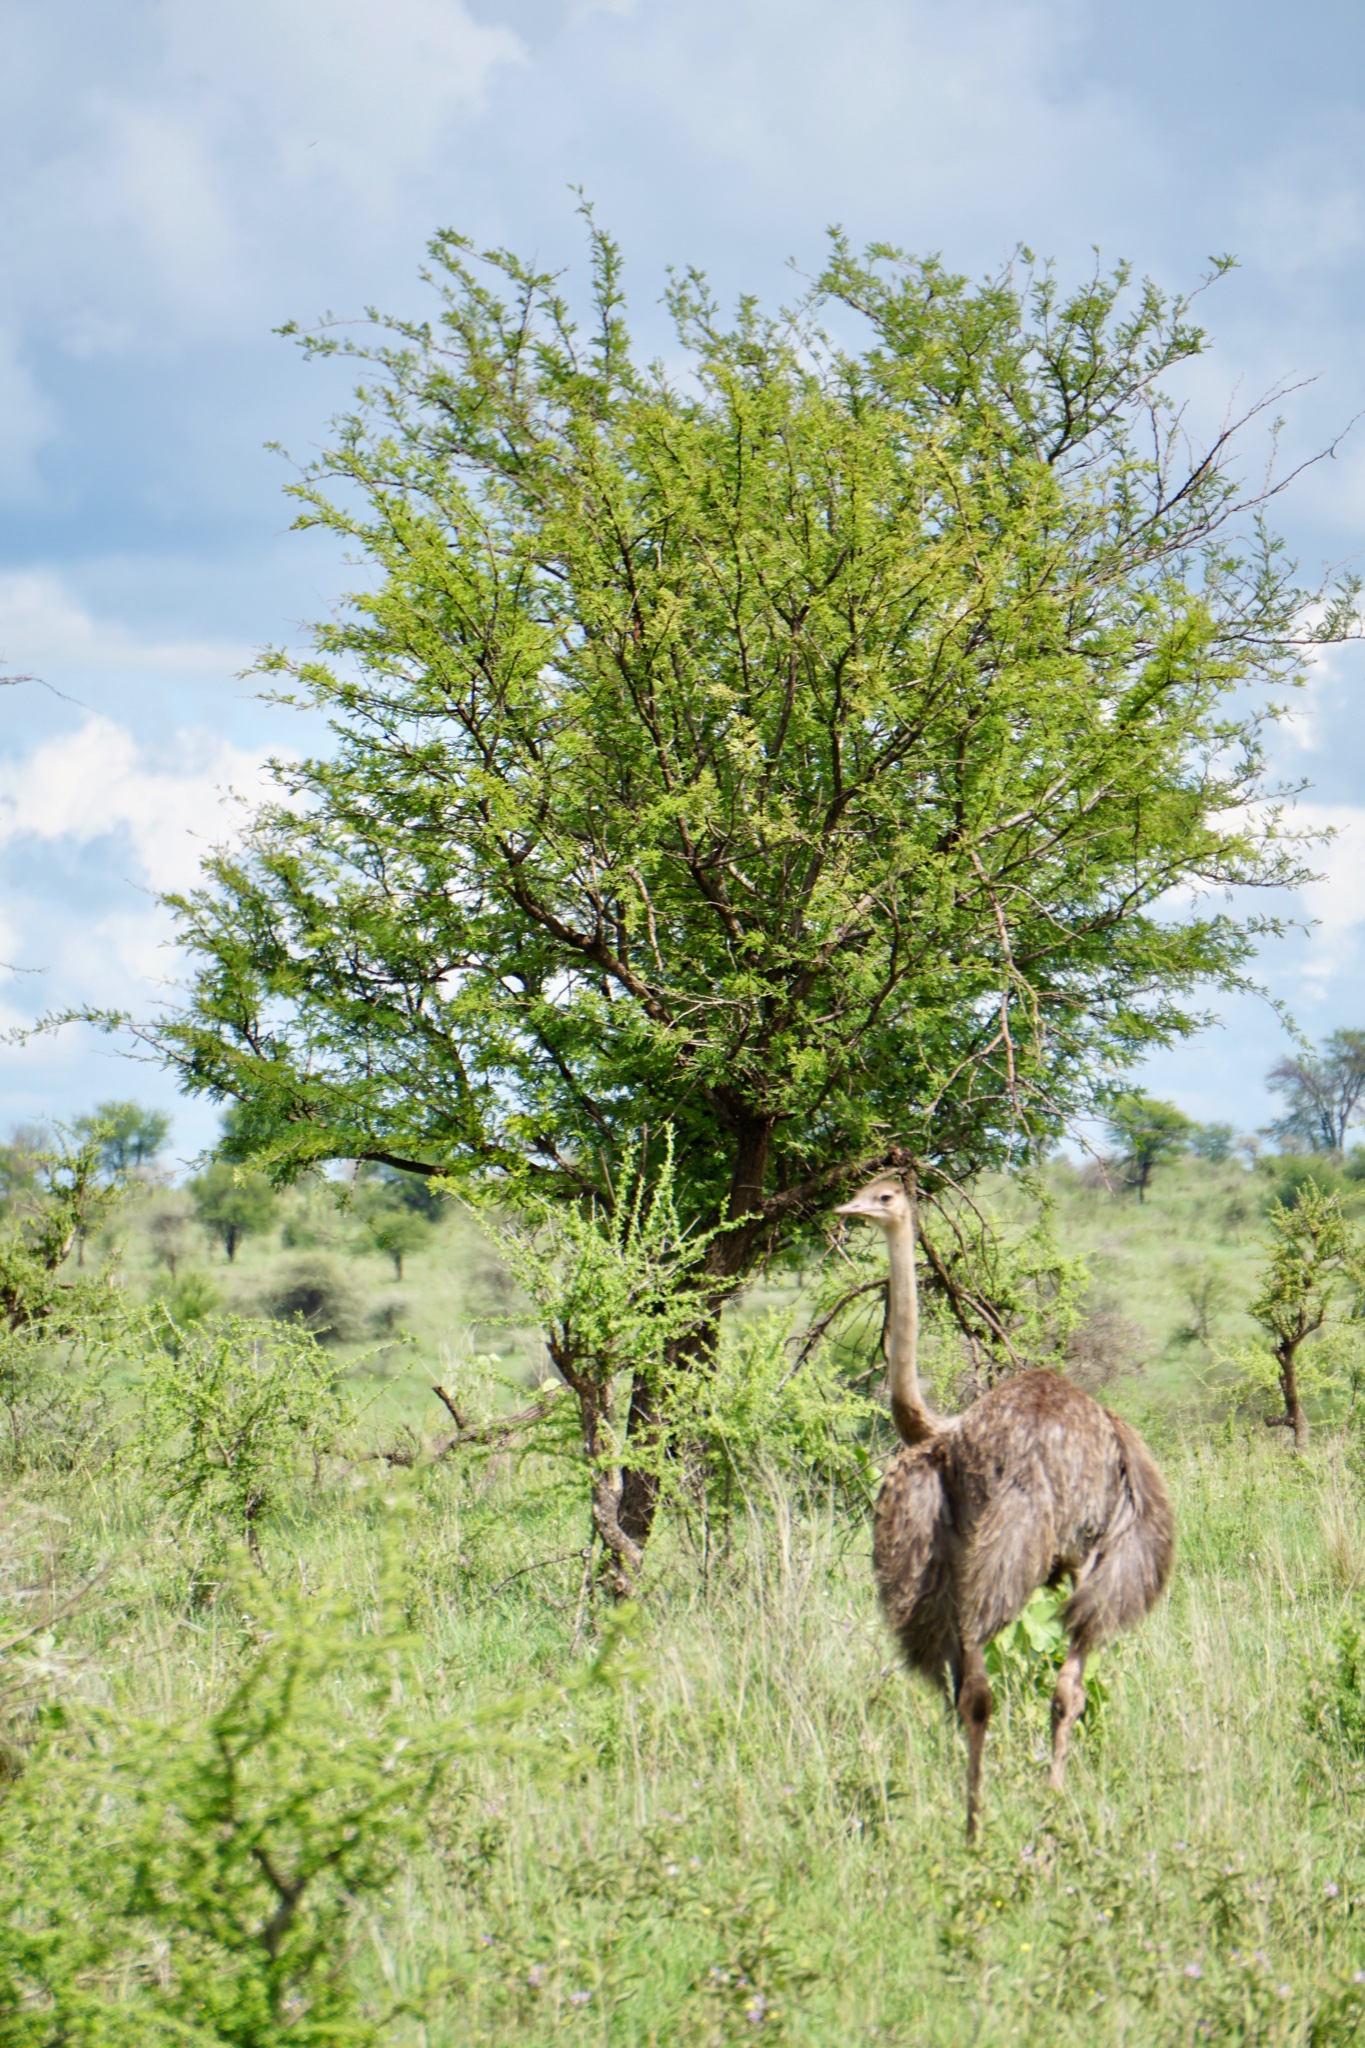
(757, 1835)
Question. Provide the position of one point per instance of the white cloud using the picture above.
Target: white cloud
(1337, 899)
(27, 421)
(47, 630)
(170, 807)
(201, 158)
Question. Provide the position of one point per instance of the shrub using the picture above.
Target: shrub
(191, 1299)
(1289, 1173)
(312, 1290)
(1335, 1689)
(230, 1418)
(204, 1882)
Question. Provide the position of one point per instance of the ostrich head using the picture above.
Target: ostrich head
(883, 1201)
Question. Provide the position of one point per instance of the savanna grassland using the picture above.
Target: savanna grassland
(409, 1776)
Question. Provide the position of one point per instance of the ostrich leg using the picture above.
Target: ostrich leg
(1067, 1703)
(974, 1704)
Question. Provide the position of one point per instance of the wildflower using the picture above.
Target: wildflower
(1359, 1977)
(1193, 1970)
(670, 1870)
(755, 2009)
(579, 1997)
(1282, 1991)
(486, 1940)
(535, 1976)
(1258, 1956)
(1026, 1851)
(1330, 1890)
(1182, 1845)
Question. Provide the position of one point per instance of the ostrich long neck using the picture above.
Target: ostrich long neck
(913, 1419)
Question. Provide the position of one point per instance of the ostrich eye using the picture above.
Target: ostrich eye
(886, 1198)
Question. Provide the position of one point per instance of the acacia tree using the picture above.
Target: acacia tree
(794, 747)
(1323, 1092)
(128, 1135)
(1147, 1131)
(1316, 1256)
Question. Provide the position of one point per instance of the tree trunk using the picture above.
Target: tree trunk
(728, 1258)
(639, 1499)
(1294, 1417)
(626, 1552)
(230, 1241)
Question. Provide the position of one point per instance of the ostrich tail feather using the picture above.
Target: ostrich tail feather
(1134, 1560)
(911, 1538)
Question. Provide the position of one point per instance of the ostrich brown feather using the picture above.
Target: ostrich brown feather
(1035, 1482)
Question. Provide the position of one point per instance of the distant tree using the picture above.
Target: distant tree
(412, 1191)
(64, 1198)
(233, 1202)
(167, 1231)
(1322, 1092)
(21, 1165)
(1315, 1256)
(1214, 1142)
(126, 1134)
(1146, 1131)
(395, 1229)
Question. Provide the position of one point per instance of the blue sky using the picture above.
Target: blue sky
(182, 176)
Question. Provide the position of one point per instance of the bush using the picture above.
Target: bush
(311, 1289)
(205, 1882)
(191, 1299)
(1335, 1689)
(1289, 1173)
(230, 1418)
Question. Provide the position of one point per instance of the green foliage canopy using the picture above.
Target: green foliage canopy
(793, 745)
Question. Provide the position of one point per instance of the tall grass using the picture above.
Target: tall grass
(759, 1833)
(755, 1833)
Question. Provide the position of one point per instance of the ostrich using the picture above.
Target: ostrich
(978, 1510)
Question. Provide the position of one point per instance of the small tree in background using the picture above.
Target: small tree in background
(232, 1202)
(396, 1230)
(1215, 1142)
(167, 1230)
(51, 1397)
(1316, 1259)
(1145, 1131)
(63, 1198)
(1323, 1093)
(396, 1213)
(126, 1134)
